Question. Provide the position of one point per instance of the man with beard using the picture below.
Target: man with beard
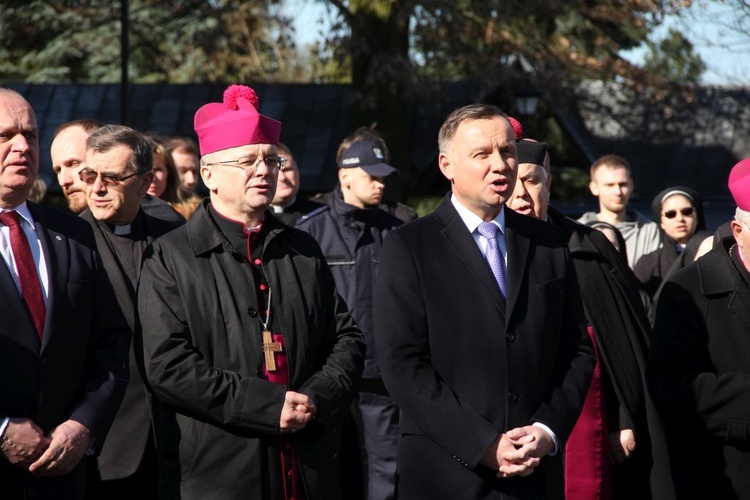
(68, 152)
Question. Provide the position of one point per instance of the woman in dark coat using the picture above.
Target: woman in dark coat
(679, 211)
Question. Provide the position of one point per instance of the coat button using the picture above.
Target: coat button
(513, 396)
(510, 336)
(252, 312)
(42, 361)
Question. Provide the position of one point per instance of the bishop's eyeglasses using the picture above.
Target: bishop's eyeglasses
(250, 163)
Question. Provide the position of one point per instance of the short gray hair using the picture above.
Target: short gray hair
(111, 136)
(741, 216)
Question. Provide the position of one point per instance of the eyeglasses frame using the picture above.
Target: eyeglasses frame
(110, 181)
(690, 212)
(254, 167)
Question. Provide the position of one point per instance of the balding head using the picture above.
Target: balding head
(19, 148)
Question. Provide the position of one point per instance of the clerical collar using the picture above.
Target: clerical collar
(239, 235)
(279, 209)
(133, 231)
(122, 230)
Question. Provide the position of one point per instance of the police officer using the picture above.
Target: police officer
(350, 231)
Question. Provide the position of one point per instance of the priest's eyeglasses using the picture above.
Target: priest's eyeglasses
(89, 176)
(250, 164)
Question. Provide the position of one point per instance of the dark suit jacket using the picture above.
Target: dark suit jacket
(125, 445)
(463, 366)
(79, 370)
(699, 375)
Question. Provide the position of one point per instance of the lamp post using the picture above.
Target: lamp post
(124, 56)
(527, 100)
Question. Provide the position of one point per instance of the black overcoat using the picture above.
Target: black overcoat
(699, 375)
(622, 331)
(463, 366)
(79, 369)
(125, 445)
(202, 358)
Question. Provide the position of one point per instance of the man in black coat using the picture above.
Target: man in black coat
(699, 370)
(245, 342)
(117, 174)
(621, 334)
(490, 370)
(63, 358)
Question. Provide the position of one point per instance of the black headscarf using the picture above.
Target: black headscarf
(687, 192)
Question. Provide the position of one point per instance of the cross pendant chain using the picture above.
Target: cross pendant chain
(269, 346)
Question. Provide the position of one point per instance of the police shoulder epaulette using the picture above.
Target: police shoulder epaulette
(315, 212)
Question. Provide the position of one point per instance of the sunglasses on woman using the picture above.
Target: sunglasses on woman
(686, 212)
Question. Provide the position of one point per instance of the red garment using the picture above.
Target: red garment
(287, 455)
(588, 470)
(289, 464)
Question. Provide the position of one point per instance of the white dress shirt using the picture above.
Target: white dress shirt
(472, 222)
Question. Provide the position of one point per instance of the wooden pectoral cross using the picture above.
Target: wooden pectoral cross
(270, 347)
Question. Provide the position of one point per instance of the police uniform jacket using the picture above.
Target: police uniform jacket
(351, 238)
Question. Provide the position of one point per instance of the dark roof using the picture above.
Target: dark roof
(710, 137)
(315, 117)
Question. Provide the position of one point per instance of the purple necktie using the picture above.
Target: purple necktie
(494, 257)
(31, 289)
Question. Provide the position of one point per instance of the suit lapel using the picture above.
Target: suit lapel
(518, 255)
(55, 249)
(458, 237)
(19, 327)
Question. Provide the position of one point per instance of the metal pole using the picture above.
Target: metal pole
(124, 55)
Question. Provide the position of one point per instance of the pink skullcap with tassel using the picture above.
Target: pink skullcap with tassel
(739, 184)
(235, 122)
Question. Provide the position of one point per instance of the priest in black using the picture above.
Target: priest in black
(117, 174)
(699, 369)
(619, 424)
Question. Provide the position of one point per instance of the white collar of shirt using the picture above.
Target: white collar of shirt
(472, 221)
(280, 209)
(23, 211)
